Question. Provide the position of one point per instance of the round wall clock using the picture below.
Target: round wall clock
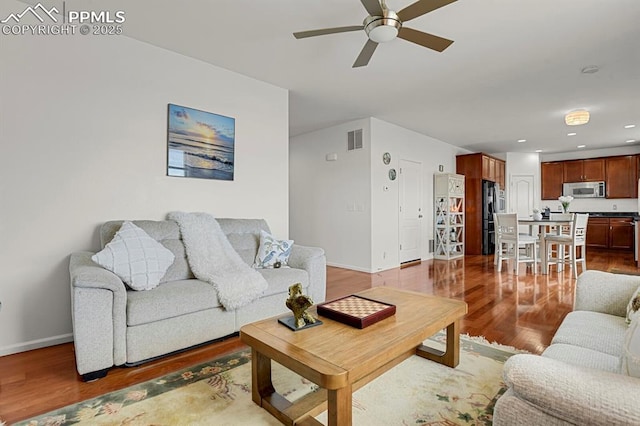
(392, 174)
(386, 158)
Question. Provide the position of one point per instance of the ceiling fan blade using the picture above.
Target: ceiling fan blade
(324, 31)
(365, 54)
(421, 7)
(373, 7)
(424, 39)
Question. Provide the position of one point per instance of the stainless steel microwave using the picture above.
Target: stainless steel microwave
(584, 189)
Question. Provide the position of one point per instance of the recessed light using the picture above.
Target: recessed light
(571, 134)
(630, 141)
(591, 69)
(538, 150)
(581, 146)
(629, 126)
(521, 140)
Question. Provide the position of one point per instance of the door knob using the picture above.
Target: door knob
(419, 216)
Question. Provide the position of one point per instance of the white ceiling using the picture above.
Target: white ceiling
(512, 73)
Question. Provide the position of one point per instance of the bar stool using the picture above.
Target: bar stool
(576, 238)
(509, 242)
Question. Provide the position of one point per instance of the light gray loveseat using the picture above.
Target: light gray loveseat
(114, 325)
(579, 379)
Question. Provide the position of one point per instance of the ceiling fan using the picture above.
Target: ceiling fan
(383, 25)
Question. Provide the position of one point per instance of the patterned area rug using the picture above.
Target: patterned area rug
(415, 392)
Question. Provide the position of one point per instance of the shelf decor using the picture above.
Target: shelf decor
(448, 216)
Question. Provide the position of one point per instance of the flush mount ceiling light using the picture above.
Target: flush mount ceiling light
(581, 146)
(571, 134)
(538, 150)
(577, 117)
(630, 141)
(629, 126)
(521, 140)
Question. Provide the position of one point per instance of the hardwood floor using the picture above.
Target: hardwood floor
(518, 310)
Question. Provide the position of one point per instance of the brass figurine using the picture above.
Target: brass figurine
(299, 303)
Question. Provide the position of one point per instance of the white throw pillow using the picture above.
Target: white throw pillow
(135, 257)
(633, 308)
(631, 349)
(272, 253)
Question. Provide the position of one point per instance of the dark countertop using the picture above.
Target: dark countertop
(634, 215)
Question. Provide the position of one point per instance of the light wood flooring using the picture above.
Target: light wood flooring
(517, 310)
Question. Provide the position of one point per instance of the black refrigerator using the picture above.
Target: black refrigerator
(489, 207)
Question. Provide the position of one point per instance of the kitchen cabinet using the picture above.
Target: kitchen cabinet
(500, 173)
(610, 232)
(552, 175)
(591, 170)
(475, 168)
(598, 232)
(621, 233)
(621, 176)
(481, 166)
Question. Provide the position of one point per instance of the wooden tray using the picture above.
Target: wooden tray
(356, 311)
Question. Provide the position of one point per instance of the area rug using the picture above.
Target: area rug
(415, 392)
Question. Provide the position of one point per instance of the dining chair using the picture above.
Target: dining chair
(509, 242)
(576, 238)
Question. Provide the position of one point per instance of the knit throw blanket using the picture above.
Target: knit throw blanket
(212, 259)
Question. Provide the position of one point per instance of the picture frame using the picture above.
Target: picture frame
(200, 144)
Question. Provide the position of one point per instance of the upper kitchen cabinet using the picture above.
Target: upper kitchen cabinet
(552, 179)
(481, 166)
(591, 170)
(621, 177)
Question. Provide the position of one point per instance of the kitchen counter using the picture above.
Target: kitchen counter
(634, 215)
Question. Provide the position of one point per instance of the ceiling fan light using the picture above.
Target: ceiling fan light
(382, 29)
(383, 33)
(577, 118)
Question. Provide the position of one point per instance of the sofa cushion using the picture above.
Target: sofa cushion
(583, 357)
(592, 330)
(170, 299)
(167, 233)
(135, 257)
(244, 235)
(633, 308)
(631, 354)
(272, 252)
(281, 279)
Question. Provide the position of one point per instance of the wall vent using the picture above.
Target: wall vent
(432, 246)
(354, 140)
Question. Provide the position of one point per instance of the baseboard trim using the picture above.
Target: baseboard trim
(410, 263)
(36, 344)
(353, 268)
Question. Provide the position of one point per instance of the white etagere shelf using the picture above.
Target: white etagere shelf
(448, 190)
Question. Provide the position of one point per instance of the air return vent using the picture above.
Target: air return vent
(354, 140)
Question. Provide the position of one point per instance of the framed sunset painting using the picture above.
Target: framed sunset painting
(200, 144)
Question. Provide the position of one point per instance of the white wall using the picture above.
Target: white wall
(330, 201)
(403, 144)
(83, 133)
(342, 206)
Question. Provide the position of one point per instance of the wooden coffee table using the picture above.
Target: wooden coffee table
(341, 359)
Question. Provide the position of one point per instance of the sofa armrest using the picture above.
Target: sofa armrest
(312, 260)
(98, 306)
(574, 394)
(605, 292)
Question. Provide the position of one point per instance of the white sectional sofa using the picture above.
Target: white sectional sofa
(582, 378)
(114, 325)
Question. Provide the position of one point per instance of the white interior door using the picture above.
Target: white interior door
(410, 183)
(521, 193)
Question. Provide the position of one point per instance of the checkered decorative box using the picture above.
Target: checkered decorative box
(356, 311)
